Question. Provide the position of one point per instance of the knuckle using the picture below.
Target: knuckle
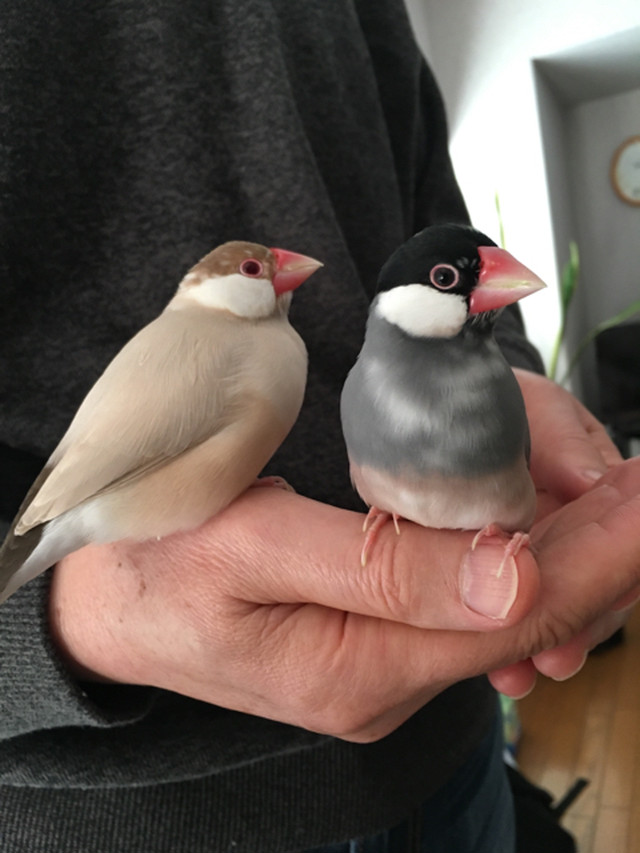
(346, 722)
(331, 714)
(552, 631)
(372, 731)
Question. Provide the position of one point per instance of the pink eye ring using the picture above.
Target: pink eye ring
(251, 268)
(444, 276)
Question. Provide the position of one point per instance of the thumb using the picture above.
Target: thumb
(296, 550)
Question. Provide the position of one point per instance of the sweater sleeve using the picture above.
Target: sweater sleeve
(36, 692)
(56, 732)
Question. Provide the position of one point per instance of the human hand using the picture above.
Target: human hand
(570, 452)
(266, 609)
(570, 448)
(588, 554)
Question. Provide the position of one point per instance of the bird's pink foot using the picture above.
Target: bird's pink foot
(273, 482)
(513, 542)
(376, 519)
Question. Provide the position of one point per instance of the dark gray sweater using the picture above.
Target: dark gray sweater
(135, 136)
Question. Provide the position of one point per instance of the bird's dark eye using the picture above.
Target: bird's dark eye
(444, 276)
(251, 268)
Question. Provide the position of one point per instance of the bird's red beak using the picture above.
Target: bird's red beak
(502, 280)
(291, 270)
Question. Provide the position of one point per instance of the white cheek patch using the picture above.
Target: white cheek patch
(423, 312)
(243, 296)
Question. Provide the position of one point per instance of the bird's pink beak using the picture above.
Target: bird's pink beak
(502, 280)
(291, 270)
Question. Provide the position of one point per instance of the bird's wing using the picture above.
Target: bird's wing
(171, 387)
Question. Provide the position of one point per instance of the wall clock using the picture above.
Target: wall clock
(625, 171)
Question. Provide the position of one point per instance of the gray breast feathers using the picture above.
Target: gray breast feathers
(450, 407)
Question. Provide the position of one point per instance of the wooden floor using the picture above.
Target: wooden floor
(589, 726)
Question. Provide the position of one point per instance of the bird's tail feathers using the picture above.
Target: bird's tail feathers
(24, 557)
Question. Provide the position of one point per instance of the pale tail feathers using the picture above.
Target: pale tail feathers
(15, 551)
(22, 558)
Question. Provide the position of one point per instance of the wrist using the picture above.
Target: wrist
(87, 606)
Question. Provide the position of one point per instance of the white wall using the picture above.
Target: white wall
(611, 255)
(481, 52)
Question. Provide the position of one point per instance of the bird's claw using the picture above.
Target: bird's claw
(376, 518)
(273, 482)
(513, 543)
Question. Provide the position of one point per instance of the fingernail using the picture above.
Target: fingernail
(567, 675)
(592, 474)
(489, 580)
(523, 694)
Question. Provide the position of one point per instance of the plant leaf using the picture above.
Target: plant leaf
(569, 278)
(568, 285)
(592, 334)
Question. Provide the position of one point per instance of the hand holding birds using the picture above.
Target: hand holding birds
(261, 610)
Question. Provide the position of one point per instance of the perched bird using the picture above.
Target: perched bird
(181, 421)
(432, 414)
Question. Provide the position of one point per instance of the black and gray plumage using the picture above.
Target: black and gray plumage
(432, 414)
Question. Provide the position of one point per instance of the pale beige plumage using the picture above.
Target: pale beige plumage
(181, 421)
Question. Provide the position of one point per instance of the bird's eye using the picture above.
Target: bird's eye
(251, 268)
(444, 276)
